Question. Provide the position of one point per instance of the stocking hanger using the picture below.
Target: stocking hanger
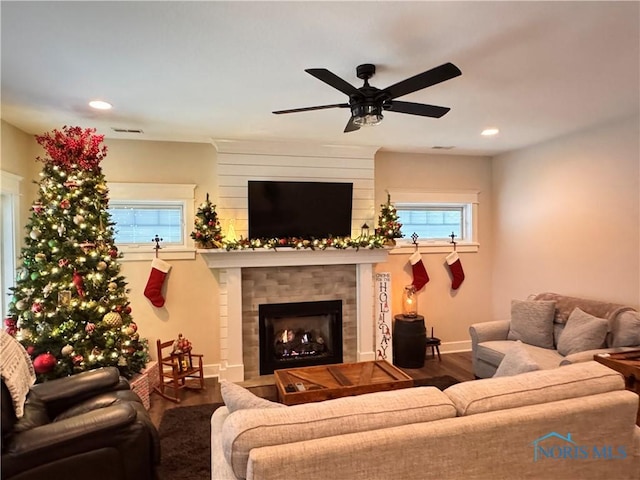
(453, 236)
(414, 237)
(157, 247)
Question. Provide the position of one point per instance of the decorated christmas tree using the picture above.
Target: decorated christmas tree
(207, 230)
(388, 225)
(70, 308)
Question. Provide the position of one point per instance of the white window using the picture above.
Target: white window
(143, 212)
(9, 228)
(433, 216)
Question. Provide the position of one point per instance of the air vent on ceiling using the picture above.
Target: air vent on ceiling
(126, 130)
(442, 147)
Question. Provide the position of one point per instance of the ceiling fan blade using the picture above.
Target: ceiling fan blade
(333, 80)
(426, 79)
(351, 126)
(306, 109)
(417, 109)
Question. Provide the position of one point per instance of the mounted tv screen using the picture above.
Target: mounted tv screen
(299, 209)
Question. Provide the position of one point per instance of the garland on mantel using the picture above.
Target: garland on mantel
(298, 243)
(207, 234)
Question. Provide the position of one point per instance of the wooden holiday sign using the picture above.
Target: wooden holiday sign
(383, 316)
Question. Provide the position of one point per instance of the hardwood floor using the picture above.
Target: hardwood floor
(457, 365)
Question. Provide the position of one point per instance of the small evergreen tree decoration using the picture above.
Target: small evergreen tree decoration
(388, 225)
(207, 230)
(69, 307)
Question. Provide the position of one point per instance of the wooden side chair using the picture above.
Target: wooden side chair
(178, 371)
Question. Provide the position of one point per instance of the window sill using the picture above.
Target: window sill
(405, 247)
(130, 254)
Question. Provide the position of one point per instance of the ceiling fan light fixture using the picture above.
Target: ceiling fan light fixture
(367, 115)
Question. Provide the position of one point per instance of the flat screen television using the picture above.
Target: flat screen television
(299, 209)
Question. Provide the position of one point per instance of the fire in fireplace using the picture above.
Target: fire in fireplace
(299, 334)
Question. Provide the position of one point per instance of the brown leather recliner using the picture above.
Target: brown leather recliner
(89, 425)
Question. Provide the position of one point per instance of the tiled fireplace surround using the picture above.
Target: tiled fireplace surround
(251, 278)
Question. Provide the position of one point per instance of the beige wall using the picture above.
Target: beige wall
(450, 312)
(191, 306)
(18, 156)
(566, 218)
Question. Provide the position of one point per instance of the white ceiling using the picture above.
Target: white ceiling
(197, 71)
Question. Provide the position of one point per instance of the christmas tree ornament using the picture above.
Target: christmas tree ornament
(112, 320)
(37, 208)
(63, 262)
(113, 252)
(78, 282)
(420, 275)
(67, 350)
(101, 266)
(455, 267)
(153, 289)
(53, 243)
(65, 204)
(34, 276)
(40, 257)
(64, 298)
(44, 363)
(90, 327)
(36, 307)
(78, 359)
(35, 233)
(112, 286)
(61, 230)
(78, 219)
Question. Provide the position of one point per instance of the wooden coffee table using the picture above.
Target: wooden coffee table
(325, 382)
(628, 364)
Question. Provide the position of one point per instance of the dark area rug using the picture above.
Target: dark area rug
(441, 383)
(185, 440)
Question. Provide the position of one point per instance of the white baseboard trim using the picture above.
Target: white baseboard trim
(456, 347)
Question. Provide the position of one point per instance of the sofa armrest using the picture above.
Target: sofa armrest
(61, 393)
(73, 435)
(587, 355)
(489, 331)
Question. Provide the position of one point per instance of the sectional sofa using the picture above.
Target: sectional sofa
(553, 330)
(572, 422)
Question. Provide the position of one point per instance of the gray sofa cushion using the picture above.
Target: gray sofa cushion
(493, 352)
(582, 332)
(517, 360)
(247, 429)
(532, 388)
(532, 322)
(625, 331)
(236, 397)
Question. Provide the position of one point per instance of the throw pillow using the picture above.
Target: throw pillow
(583, 332)
(236, 397)
(626, 330)
(532, 322)
(516, 360)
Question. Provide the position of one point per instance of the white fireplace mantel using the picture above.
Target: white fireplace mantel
(232, 263)
(289, 257)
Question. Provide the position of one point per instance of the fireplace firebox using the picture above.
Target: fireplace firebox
(299, 334)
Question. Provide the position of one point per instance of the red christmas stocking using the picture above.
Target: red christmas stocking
(453, 260)
(420, 276)
(153, 290)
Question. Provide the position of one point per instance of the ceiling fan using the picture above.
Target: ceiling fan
(367, 103)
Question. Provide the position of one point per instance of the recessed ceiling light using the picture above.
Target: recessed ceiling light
(487, 132)
(100, 105)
